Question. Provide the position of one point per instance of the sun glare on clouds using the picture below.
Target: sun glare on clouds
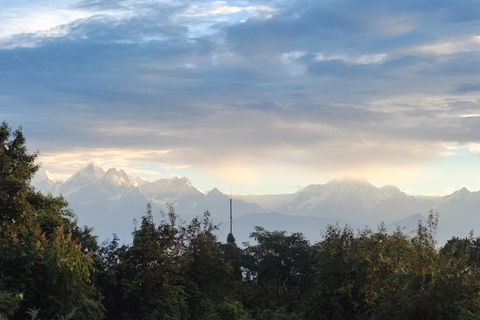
(234, 173)
(66, 164)
(44, 20)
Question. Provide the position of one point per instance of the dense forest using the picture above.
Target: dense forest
(50, 268)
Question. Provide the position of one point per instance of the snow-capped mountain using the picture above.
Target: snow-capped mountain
(110, 200)
(91, 174)
(356, 199)
(173, 187)
(92, 185)
(119, 178)
(44, 180)
(177, 191)
(460, 210)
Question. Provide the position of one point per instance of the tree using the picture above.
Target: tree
(355, 273)
(278, 270)
(42, 266)
(209, 275)
(146, 278)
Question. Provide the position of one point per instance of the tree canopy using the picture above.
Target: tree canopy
(43, 269)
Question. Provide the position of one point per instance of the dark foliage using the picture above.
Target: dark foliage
(43, 270)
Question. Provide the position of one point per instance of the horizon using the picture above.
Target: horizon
(52, 176)
(266, 97)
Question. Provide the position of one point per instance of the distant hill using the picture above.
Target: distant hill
(111, 200)
(460, 210)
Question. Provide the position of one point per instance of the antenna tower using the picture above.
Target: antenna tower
(231, 238)
(231, 219)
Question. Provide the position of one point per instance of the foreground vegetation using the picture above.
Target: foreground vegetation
(52, 269)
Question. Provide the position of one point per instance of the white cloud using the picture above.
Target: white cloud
(371, 59)
(289, 61)
(43, 21)
(451, 46)
(214, 9)
(394, 24)
(259, 10)
(447, 149)
(218, 8)
(475, 148)
(361, 59)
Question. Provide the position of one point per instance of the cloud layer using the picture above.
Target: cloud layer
(327, 87)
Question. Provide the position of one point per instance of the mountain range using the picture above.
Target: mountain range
(110, 201)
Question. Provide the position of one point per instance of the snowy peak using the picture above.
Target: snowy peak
(342, 190)
(50, 177)
(349, 183)
(88, 175)
(118, 178)
(390, 190)
(140, 181)
(215, 195)
(341, 198)
(460, 209)
(214, 191)
(173, 186)
(44, 175)
(44, 181)
(462, 194)
(92, 172)
(345, 187)
(335, 191)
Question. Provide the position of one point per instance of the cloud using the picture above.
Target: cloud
(223, 8)
(475, 148)
(452, 46)
(323, 85)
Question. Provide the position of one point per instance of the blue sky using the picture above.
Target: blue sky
(257, 96)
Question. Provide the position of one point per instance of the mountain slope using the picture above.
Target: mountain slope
(356, 199)
(460, 210)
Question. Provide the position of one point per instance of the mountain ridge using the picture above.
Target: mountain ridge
(94, 193)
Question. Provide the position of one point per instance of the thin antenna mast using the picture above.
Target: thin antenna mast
(231, 238)
(231, 219)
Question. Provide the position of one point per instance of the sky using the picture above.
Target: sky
(264, 96)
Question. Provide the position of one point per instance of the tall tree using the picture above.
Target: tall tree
(278, 271)
(42, 265)
(209, 275)
(147, 276)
